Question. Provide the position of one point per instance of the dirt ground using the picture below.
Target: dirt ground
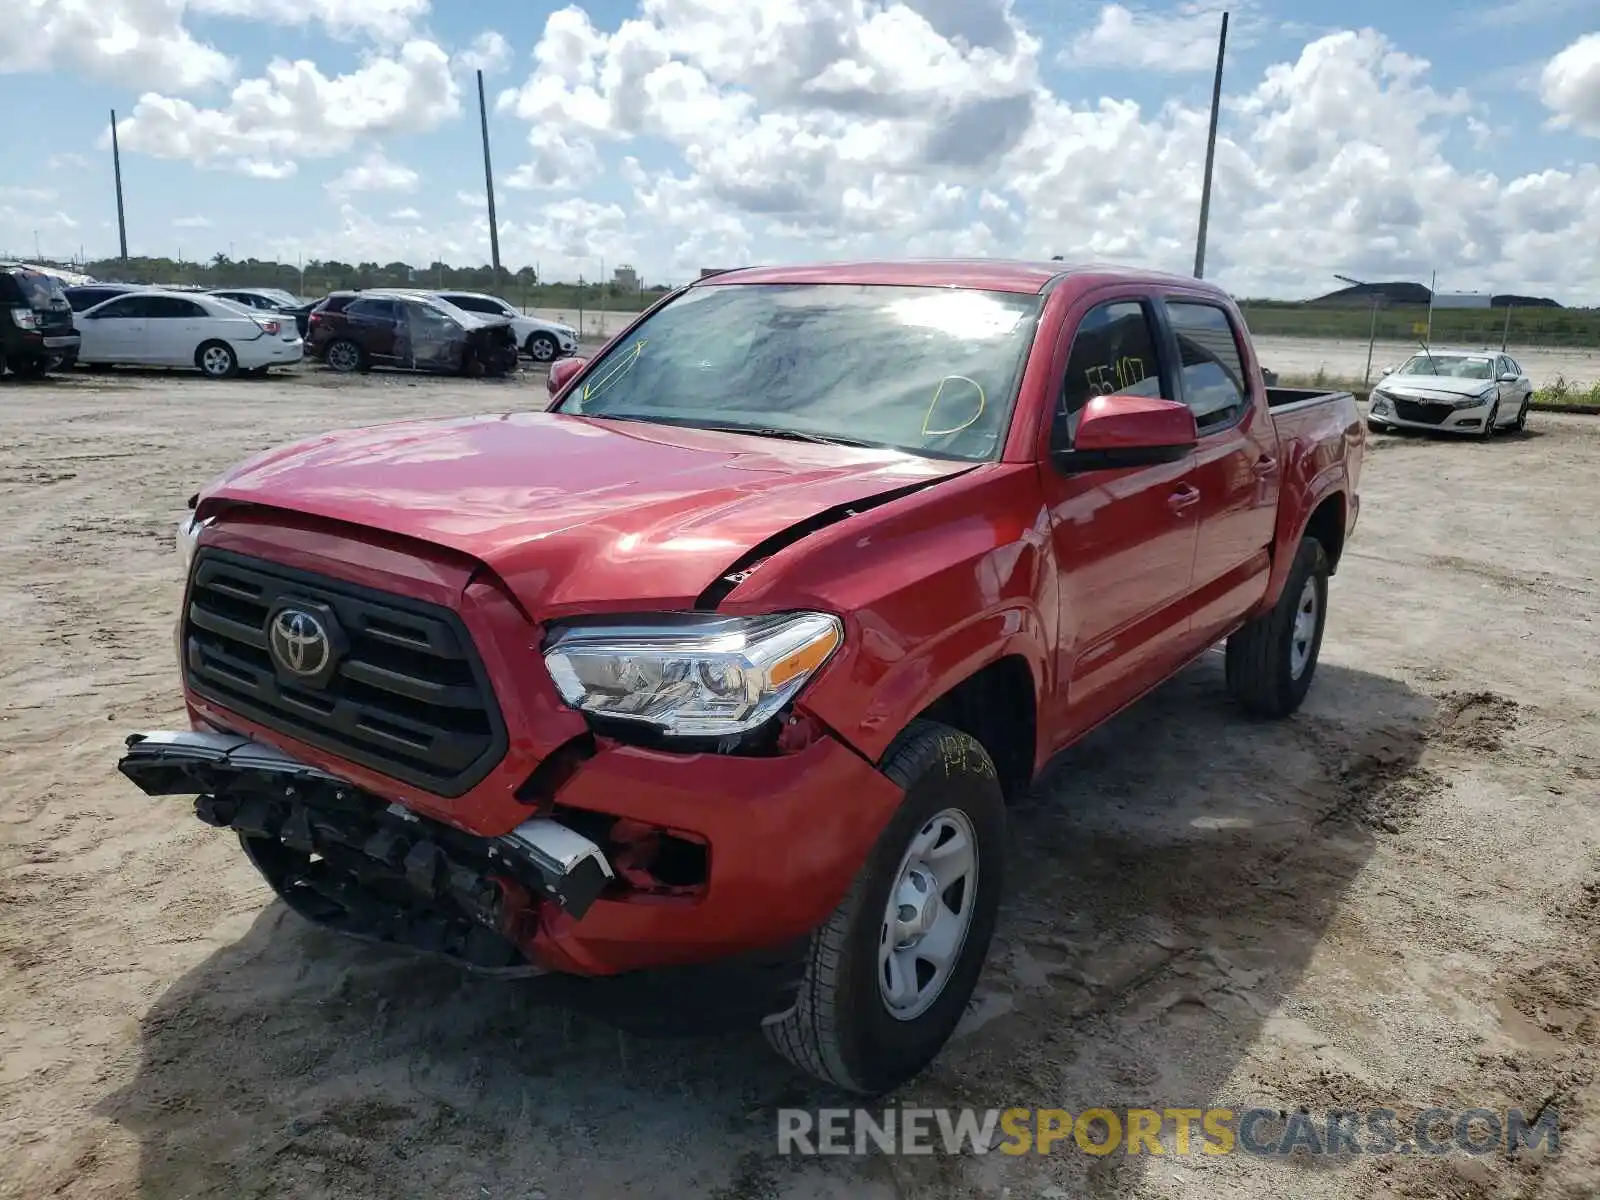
(1391, 900)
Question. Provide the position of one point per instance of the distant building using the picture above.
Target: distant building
(625, 279)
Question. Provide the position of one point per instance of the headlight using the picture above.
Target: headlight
(688, 674)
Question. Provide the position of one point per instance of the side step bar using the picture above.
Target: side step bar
(217, 767)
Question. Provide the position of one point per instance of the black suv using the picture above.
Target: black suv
(36, 329)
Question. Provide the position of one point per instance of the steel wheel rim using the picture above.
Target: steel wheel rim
(928, 914)
(541, 350)
(216, 361)
(342, 357)
(1304, 634)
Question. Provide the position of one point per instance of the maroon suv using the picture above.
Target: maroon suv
(356, 331)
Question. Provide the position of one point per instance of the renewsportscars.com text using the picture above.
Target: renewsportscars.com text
(1167, 1131)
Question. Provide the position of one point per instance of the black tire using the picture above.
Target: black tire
(30, 368)
(1376, 427)
(1487, 431)
(1522, 416)
(542, 348)
(1260, 661)
(841, 1029)
(345, 357)
(216, 360)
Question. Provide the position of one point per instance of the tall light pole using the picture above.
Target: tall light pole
(1211, 156)
(488, 182)
(116, 166)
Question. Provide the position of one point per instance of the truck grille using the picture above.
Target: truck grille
(1421, 411)
(404, 692)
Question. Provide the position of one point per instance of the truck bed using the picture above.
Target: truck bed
(1282, 398)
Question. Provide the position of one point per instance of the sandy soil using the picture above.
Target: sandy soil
(1393, 899)
(1348, 360)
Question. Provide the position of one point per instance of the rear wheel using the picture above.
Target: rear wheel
(1270, 661)
(217, 360)
(889, 975)
(541, 347)
(29, 368)
(345, 357)
(1521, 422)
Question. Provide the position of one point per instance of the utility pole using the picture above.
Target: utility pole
(1432, 288)
(1211, 156)
(488, 182)
(116, 166)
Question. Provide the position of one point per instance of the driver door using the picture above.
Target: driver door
(1124, 538)
(115, 332)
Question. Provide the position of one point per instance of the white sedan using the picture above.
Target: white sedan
(543, 341)
(177, 329)
(1456, 391)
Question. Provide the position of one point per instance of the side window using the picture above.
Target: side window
(124, 309)
(171, 308)
(1113, 350)
(1212, 373)
(383, 311)
(473, 304)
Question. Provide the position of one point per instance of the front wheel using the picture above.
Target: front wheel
(890, 973)
(1270, 660)
(1487, 431)
(217, 360)
(541, 347)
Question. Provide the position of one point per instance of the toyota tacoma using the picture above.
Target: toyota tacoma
(734, 652)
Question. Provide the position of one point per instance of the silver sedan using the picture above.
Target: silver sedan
(1454, 391)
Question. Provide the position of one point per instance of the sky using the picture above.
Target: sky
(1378, 140)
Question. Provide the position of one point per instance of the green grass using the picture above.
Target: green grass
(1324, 382)
(1572, 327)
(1561, 392)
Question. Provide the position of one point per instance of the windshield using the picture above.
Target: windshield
(40, 291)
(1455, 366)
(931, 371)
(277, 297)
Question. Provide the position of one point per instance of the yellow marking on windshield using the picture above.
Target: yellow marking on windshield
(591, 390)
(983, 401)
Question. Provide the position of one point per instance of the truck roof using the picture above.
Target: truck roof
(986, 274)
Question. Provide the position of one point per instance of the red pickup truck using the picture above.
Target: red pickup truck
(733, 654)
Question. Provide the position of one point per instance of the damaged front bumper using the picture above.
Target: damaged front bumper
(347, 859)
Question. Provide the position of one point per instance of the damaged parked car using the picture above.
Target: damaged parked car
(352, 332)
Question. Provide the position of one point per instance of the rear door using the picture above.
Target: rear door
(114, 332)
(376, 323)
(1235, 467)
(1124, 539)
(175, 327)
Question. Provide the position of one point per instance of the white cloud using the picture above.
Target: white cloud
(294, 111)
(405, 214)
(130, 43)
(489, 53)
(374, 173)
(1570, 86)
(28, 195)
(191, 222)
(384, 20)
(1182, 39)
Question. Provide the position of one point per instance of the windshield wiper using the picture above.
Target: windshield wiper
(792, 435)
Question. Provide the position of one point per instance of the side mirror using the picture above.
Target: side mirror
(1387, 371)
(1509, 377)
(561, 373)
(1130, 431)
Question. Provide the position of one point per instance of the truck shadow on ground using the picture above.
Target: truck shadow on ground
(1171, 878)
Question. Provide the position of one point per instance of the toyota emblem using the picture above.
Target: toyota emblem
(300, 643)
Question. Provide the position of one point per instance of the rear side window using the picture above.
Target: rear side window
(373, 310)
(171, 307)
(1113, 350)
(10, 289)
(1211, 370)
(473, 304)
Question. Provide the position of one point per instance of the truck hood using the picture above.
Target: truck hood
(574, 513)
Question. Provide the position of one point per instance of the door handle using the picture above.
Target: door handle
(1185, 497)
(1265, 465)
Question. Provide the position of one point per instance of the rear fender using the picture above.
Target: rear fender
(1294, 515)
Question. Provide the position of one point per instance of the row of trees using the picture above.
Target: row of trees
(318, 277)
